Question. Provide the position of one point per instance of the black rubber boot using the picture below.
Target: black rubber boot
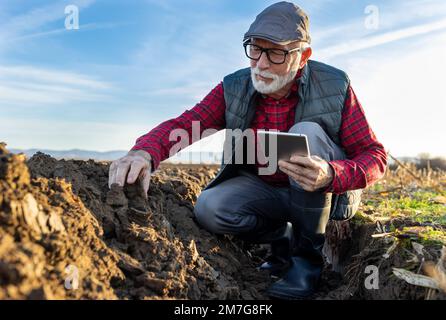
(310, 214)
(281, 249)
(299, 282)
(280, 236)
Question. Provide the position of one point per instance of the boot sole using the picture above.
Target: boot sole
(282, 296)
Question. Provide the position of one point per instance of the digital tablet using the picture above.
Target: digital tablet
(284, 144)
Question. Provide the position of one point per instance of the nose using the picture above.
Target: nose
(263, 63)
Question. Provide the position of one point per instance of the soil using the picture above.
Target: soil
(65, 235)
(59, 218)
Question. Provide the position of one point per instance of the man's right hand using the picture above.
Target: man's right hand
(137, 164)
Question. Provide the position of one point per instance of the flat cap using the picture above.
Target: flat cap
(281, 23)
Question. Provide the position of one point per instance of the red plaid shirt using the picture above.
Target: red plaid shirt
(279, 115)
(366, 157)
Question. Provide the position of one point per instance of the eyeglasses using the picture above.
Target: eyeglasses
(276, 56)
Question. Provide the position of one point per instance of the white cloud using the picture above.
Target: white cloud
(393, 15)
(31, 22)
(25, 85)
(192, 64)
(381, 39)
(83, 28)
(47, 75)
(195, 90)
(402, 90)
(41, 16)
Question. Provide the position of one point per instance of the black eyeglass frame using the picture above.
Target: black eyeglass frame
(267, 50)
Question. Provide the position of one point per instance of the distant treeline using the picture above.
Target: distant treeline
(436, 163)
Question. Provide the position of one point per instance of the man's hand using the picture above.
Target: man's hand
(136, 164)
(311, 173)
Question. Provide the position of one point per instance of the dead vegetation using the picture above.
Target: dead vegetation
(403, 218)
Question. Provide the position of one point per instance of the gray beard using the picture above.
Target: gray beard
(278, 81)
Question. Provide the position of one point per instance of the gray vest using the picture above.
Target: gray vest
(322, 92)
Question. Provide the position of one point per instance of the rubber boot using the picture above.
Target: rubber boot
(281, 249)
(280, 236)
(310, 213)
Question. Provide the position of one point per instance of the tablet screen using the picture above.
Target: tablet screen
(277, 146)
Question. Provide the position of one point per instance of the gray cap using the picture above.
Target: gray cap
(281, 23)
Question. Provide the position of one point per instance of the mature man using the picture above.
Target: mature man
(285, 91)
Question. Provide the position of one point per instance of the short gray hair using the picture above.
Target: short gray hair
(304, 46)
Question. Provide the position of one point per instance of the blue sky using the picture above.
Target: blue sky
(135, 63)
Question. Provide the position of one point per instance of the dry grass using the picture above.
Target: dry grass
(412, 198)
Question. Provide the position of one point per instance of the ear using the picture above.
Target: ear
(305, 56)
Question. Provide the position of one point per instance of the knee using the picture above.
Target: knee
(307, 128)
(203, 211)
(208, 209)
(320, 143)
(216, 214)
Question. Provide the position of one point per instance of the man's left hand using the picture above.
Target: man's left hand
(311, 173)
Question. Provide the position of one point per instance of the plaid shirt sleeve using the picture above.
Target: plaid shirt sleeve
(366, 157)
(209, 114)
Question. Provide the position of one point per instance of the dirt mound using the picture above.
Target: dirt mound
(65, 235)
(58, 220)
(44, 229)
